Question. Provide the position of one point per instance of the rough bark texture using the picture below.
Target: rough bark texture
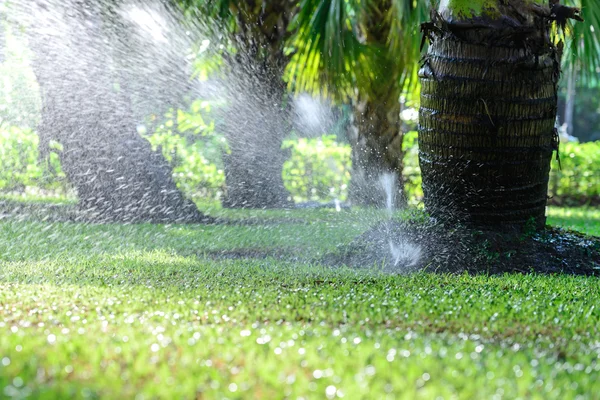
(488, 110)
(116, 174)
(376, 143)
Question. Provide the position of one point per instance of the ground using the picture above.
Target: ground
(245, 309)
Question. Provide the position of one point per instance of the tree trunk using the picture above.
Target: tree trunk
(116, 174)
(570, 101)
(257, 119)
(255, 124)
(488, 109)
(376, 143)
(253, 174)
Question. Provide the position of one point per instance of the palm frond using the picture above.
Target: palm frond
(405, 19)
(328, 51)
(583, 42)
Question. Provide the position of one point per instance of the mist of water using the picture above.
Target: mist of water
(153, 58)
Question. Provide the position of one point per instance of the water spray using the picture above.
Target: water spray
(403, 252)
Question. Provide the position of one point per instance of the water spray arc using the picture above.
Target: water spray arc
(404, 254)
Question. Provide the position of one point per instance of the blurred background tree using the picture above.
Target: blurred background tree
(365, 53)
(256, 117)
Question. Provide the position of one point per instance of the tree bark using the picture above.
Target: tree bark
(488, 110)
(116, 174)
(376, 143)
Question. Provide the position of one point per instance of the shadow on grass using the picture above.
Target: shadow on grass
(305, 236)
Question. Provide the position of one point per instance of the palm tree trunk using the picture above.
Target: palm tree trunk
(570, 103)
(376, 143)
(116, 174)
(255, 122)
(488, 110)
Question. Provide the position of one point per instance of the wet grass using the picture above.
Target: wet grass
(114, 311)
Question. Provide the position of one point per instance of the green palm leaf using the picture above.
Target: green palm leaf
(583, 43)
(328, 49)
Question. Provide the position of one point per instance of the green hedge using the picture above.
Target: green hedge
(578, 181)
(412, 171)
(189, 143)
(318, 169)
(20, 168)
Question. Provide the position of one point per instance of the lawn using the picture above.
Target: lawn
(173, 311)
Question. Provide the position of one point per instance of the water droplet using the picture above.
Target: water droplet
(330, 391)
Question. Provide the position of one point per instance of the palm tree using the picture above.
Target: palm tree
(488, 106)
(116, 174)
(255, 118)
(363, 52)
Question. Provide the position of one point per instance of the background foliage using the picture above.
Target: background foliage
(578, 182)
(318, 169)
(19, 166)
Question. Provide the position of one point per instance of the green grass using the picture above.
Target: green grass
(586, 220)
(115, 311)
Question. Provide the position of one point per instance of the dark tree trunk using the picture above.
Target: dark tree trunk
(116, 174)
(488, 110)
(376, 149)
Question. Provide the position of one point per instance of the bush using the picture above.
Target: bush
(19, 167)
(578, 182)
(318, 169)
(193, 150)
(412, 171)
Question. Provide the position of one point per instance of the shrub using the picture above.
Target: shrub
(19, 167)
(578, 181)
(412, 171)
(318, 169)
(193, 150)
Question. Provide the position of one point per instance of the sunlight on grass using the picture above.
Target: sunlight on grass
(119, 311)
(585, 220)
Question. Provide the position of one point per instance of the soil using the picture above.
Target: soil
(458, 250)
